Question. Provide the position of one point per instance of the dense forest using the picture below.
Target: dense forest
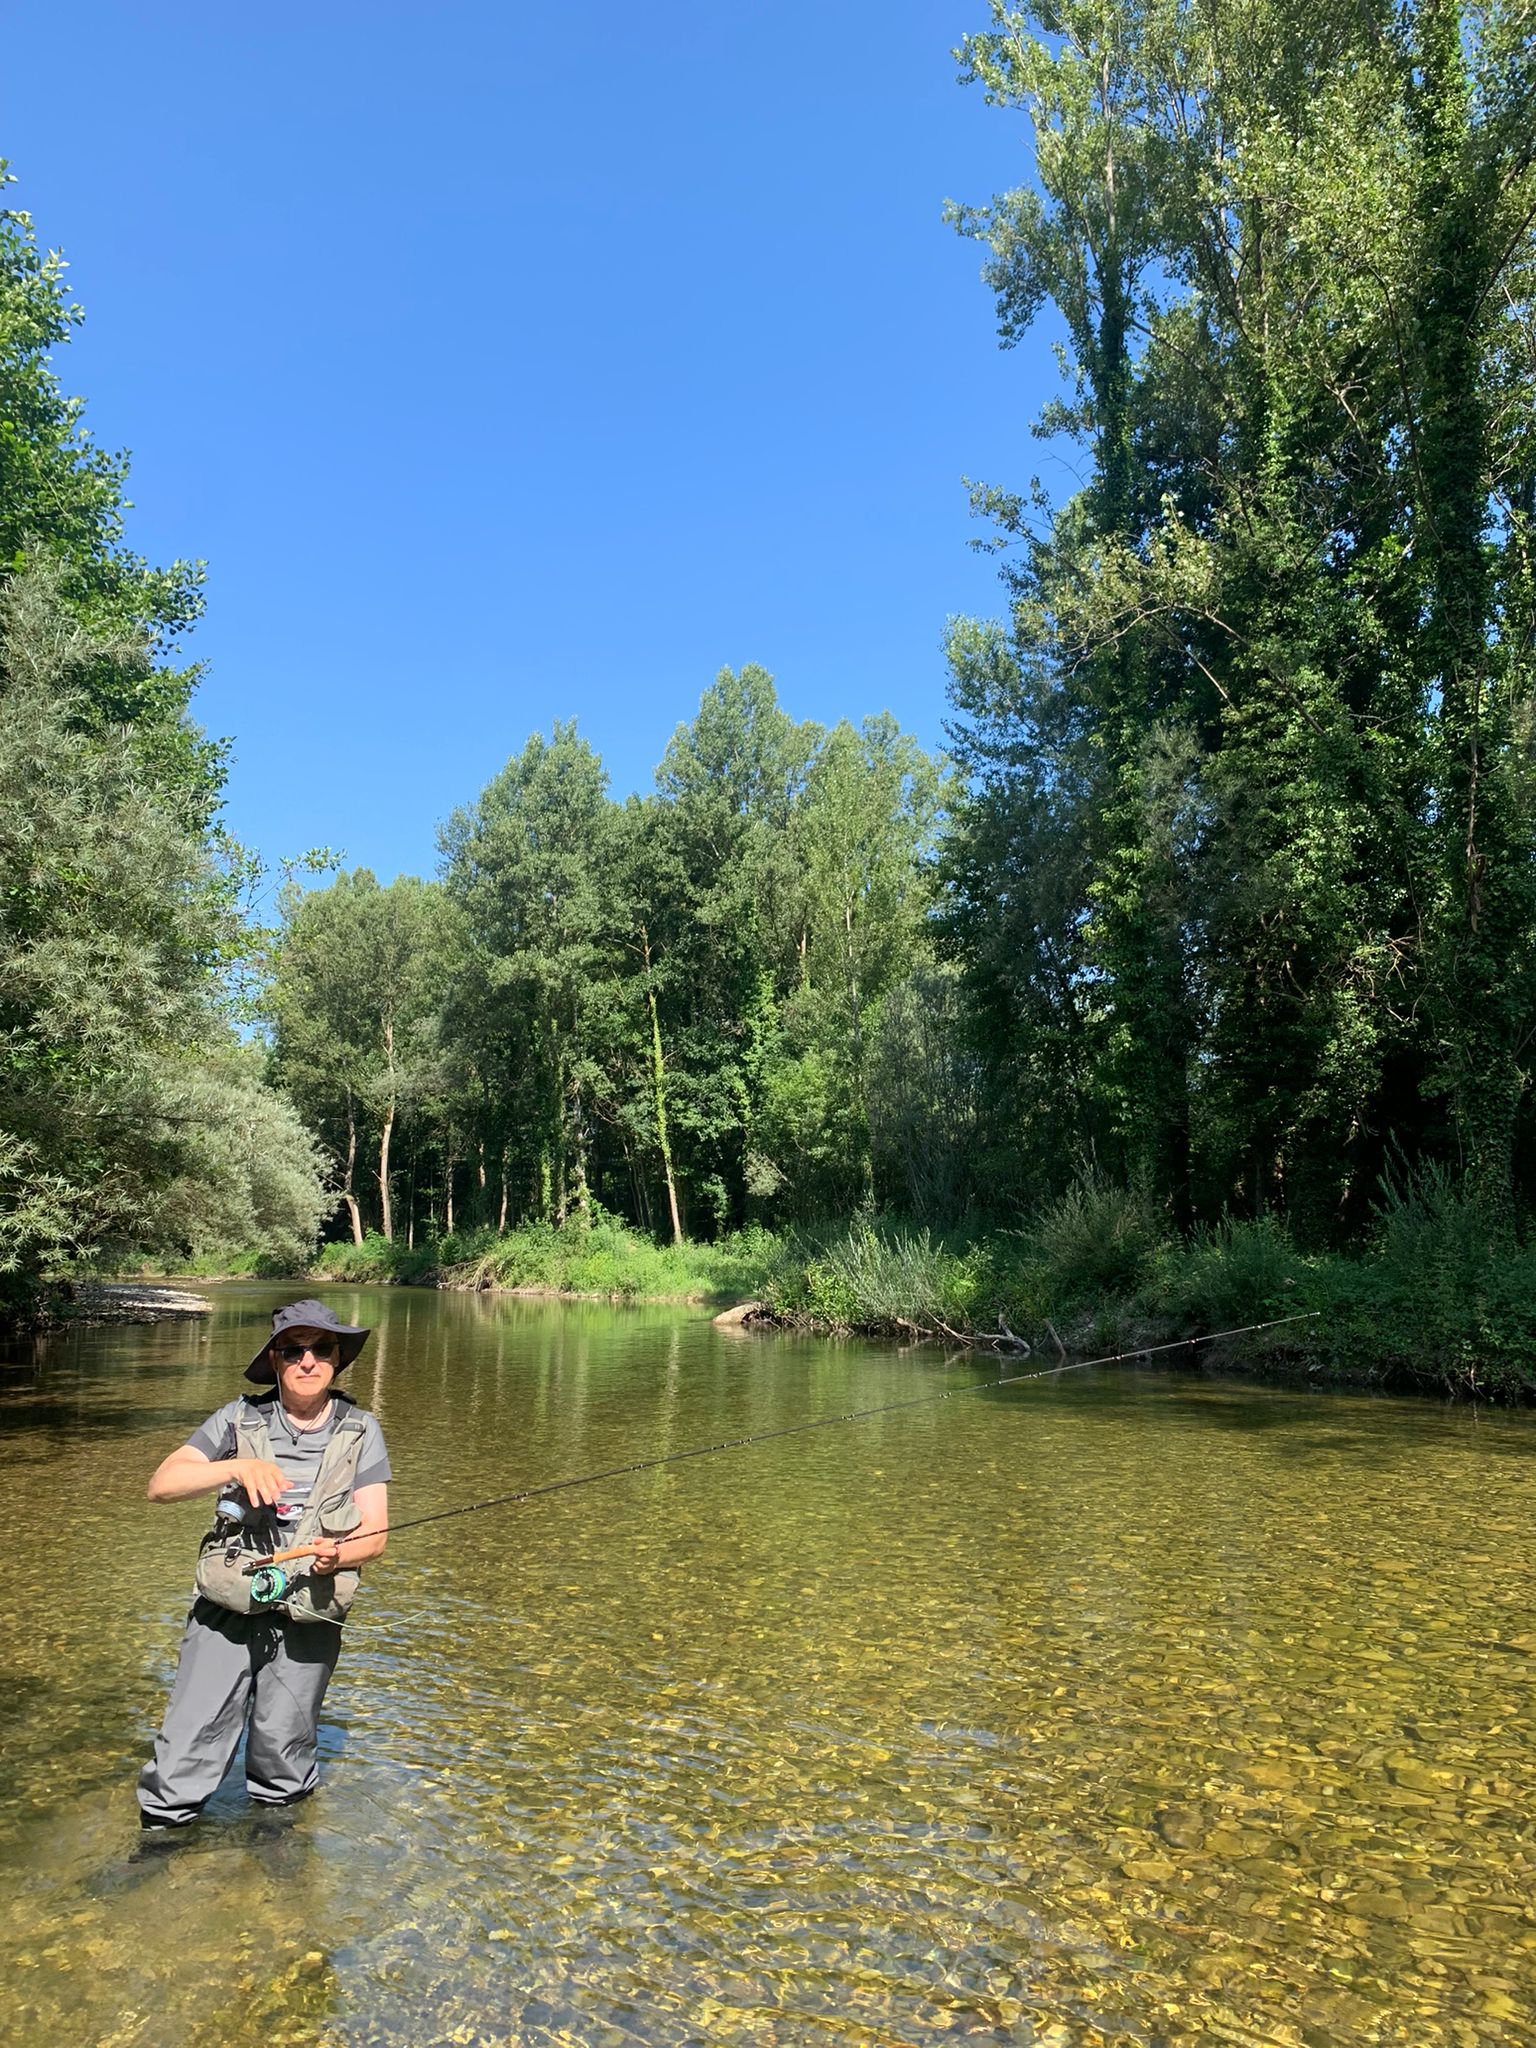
(1228, 882)
(716, 1004)
(1221, 894)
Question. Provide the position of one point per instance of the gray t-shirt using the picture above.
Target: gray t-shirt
(297, 1453)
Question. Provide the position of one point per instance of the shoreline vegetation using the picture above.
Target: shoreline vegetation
(1428, 1304)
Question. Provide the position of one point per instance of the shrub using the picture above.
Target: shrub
(1444, 1295)
(376, 1259)
(1241, 1271)
(876, 1277)
(1098, 1240)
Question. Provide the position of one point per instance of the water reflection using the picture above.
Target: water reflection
(1112, 1709)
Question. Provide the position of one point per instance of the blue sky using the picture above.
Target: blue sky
(513, 363)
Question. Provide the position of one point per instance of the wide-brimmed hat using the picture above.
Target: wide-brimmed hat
(306, 1315)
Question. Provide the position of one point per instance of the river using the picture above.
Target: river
(1125, 1707)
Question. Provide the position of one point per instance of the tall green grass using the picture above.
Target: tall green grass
(604, 1258)
(872, 1278)
(1442, 1299)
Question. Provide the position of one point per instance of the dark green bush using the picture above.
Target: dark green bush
(1098, 1240)
(1234, 1273)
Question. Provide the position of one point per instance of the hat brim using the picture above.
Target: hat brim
(350, 1339)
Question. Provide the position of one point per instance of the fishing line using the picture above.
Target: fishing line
(766, 1436)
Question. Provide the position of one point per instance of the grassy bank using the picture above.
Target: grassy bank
(606, 1260)
(1430, 1302)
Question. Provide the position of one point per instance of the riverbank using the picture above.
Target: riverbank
(132, 1301)
(1429, 1303)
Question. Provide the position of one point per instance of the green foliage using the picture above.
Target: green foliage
(130, 1119)
(673, 1009)
(1445, 1297)
(1434, 1301)
(357, 980)
(246, 1170)
(1096, 1240)
(930, 1135)
(219, 1263)
(881, 1279)
(1243, 879)
(377, 1260)
(1240, 1270)
(129, 1116)
(37, 1225)
(61, 504)
(609, 1259)
(531, 868)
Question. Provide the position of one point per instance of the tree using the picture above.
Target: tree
(357, 986)
(1087, 240)
(861, 837)
(730, 921)
(530, 865)
(1260, 672)
(128, 1116)
(62, 500)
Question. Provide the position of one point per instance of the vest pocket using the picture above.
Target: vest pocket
(220, 1575)
(324, 1596)
(327, 1596)
(339, 1515)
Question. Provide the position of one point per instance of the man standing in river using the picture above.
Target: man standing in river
(301, 1465)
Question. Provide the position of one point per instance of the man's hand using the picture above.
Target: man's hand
(264, 1484)
(327, 1557)
(189, 1472)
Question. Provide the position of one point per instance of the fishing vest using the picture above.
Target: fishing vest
(329, 1511)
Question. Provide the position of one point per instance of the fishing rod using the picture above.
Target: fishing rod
(269, 1582)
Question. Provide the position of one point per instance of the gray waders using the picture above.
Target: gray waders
(233, 1665)
(265, 1667)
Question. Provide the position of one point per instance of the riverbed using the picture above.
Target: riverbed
(1126, 1707)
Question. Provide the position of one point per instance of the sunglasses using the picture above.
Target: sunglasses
(324, 1349)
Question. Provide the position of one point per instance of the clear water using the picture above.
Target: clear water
(1121, 1708)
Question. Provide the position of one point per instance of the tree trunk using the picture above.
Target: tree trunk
(385, 1206)
(856, 1022)
(580, 1207)
(1484, 848)
(659, 1086)
(386, 1211)
(354, 1213)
